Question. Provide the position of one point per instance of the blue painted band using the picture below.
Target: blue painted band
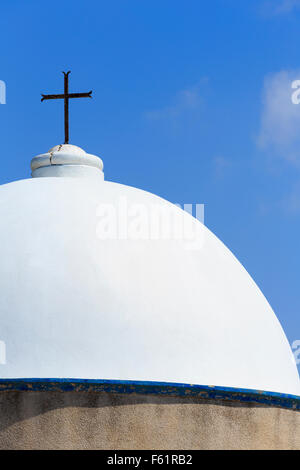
(155, 388)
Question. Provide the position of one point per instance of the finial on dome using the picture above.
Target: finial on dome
(67, 160)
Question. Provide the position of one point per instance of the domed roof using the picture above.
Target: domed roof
(99, 281)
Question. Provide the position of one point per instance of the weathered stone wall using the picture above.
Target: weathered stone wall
(93, 420)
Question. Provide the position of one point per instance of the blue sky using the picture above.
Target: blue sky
(191, 102)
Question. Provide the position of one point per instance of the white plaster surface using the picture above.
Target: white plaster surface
(73, 304)
(67, 160)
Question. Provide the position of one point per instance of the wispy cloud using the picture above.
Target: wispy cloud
(285, 6)
(185, 100)
(280, 7)
(221, 166)
(291, 203)
(279, 134)
(280, 118)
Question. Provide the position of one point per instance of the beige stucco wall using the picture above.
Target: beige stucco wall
(90, 420)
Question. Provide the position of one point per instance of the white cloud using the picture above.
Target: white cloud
(279, 7)
(184, 101)
(291, 203)
(280, 118)
(221, 165)
(285, 6)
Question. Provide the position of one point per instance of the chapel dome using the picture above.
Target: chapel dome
(96, 284)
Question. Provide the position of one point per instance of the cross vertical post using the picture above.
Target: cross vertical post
(66, 99)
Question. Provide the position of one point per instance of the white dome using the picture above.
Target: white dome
(76, 305)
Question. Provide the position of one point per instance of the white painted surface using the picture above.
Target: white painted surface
(67, 160)
(75, 305)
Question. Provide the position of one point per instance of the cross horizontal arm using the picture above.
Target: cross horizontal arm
(52, 97)
(80, 95)
(69, 95)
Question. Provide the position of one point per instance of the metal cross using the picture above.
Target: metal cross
(66, 97)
